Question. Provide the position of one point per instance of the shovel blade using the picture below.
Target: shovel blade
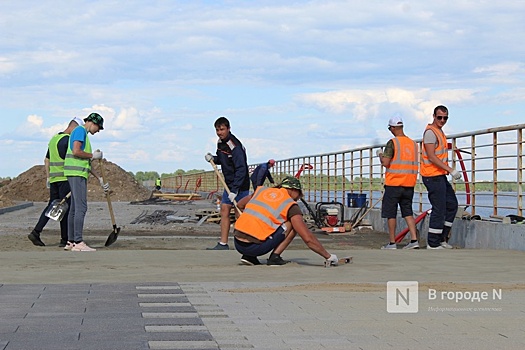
(56, 211)
(112, 238)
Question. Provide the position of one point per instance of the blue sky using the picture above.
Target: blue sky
(293, 77)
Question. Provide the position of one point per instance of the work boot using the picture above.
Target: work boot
(220, 247)
(276, 260)
(35, 238)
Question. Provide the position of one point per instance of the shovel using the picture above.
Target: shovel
(224, 184)
(112, 238)
(58, 208)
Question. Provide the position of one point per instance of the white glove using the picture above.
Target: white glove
(97, 154)
(48, 184)
(232, 196)
(105, 186)
(208, 157)
(379, 153)
(332, 260)
(456, 174)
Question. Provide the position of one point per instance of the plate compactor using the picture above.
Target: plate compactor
(331, 215)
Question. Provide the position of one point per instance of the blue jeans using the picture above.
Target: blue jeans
(78, 208)
(444, 208)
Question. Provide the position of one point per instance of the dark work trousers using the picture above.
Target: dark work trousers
(57, 190)
(444, 208)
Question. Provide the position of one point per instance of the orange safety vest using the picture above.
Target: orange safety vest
(403, 166)
(427, 168)
(265, 212)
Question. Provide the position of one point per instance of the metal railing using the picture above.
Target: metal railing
(491, 160)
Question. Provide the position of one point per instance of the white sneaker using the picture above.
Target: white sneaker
(438, 247)
(82, 247)
(410, 245)
(389, 246)
(69, 245)
(446, 245)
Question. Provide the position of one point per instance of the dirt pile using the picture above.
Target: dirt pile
(31, 186)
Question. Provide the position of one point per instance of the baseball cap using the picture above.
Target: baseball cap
(395, 121)
(292, 183)
(96, 119)
(78, 121)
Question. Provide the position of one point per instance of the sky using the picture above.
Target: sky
(294, 78)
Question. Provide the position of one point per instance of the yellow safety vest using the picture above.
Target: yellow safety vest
(74, 166)
(56, 163)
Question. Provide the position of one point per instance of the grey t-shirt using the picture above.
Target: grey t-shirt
(430, 137)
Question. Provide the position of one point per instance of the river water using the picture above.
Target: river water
(484, 201)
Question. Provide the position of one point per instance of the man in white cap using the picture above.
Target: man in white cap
(400, 160)
(56, 181)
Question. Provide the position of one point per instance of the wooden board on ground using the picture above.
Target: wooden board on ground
(178, 196)
(342, 261)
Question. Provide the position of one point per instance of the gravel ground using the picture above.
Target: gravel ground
(185, 234)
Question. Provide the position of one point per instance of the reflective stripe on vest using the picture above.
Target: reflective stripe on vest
(75, 166)
(403, 166)
(265, 212)
(56, 163)
(427, 168)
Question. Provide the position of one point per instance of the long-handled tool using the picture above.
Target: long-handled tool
(219, 175)
(399, 237)
(58, 208)
(358, 220)
(112, 238)
(316, 219)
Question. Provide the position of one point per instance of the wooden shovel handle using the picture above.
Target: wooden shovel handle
(219, 175)
(110, 207)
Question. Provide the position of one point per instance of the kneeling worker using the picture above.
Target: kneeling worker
(270, 220)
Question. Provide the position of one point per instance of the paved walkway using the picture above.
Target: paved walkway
(206, 300)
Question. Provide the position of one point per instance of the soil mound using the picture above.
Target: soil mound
(31, 186)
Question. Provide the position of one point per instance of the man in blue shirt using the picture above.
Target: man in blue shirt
(261, 173)
(231, 156)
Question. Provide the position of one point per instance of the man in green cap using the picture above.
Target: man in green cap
(77, 167)
(270, 220)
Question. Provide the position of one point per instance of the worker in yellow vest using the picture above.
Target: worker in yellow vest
(400, 160)
(434, 170)
(77, 167)
(270, 220)
(56, 182)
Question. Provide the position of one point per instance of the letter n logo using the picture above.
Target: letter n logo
(402, 297)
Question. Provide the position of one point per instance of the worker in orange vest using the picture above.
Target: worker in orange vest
(270, 221)
(400, 160)
(434, 170)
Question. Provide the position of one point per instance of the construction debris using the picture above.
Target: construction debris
(158, 217)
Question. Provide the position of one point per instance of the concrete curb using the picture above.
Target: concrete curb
(16, 207)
